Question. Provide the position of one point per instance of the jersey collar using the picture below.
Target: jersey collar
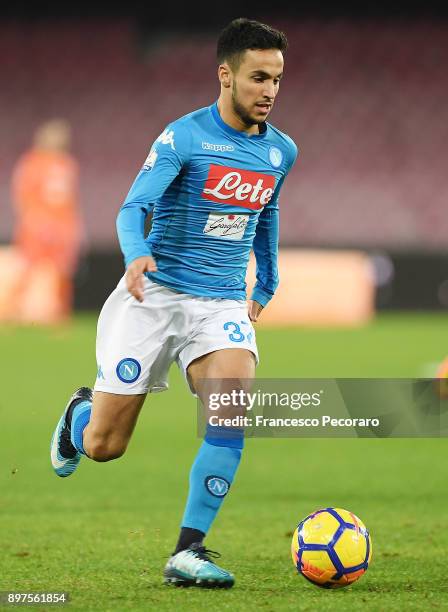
(230, 130)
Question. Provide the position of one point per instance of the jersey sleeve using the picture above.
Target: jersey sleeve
(266, 239)
(169, 153)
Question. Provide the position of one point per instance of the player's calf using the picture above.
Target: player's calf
(101, 448)
(111, 425)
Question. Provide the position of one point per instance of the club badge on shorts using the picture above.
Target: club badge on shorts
(128, 370)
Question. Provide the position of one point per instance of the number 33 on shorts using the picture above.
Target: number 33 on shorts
(239, 332)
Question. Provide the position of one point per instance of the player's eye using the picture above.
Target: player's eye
(258, 79)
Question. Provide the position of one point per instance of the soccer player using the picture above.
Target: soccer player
(48, 225)
(212, 181)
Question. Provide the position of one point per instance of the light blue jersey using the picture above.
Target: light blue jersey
(214, 195)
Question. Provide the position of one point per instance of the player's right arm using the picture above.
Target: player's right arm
(164, 162)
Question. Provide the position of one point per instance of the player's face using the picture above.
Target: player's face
(256, 83)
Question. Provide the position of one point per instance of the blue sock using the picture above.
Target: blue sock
(211, 475)
(80, 419)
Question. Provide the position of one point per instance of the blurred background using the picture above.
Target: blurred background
(364, 97)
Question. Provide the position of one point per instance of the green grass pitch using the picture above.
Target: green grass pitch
(104, 534)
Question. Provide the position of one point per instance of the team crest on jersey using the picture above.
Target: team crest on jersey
(150, 160)
(167, 137)
(275, 157)
(237, 187)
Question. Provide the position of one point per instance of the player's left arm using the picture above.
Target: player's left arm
(265, 247)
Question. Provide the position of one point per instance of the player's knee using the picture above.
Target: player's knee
(103, 449)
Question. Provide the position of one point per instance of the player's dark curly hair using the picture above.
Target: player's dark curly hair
(242, 34)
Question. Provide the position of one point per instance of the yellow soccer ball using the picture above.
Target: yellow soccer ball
(331, 548)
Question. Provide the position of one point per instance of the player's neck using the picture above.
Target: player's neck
(233, 120)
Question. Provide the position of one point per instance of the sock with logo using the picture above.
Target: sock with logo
(211, 475)
(79, 421)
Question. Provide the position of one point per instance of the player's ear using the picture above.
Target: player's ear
(224, 75)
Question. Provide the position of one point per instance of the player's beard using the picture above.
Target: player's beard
(240, 111)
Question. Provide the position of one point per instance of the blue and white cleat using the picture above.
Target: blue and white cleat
(64, 456)
(194, 567)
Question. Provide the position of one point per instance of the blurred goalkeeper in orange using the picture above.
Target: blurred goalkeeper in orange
(48, 225)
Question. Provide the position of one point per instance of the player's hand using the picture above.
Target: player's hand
(134, 275)
(254, 310)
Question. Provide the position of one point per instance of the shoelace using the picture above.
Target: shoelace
(205, 554)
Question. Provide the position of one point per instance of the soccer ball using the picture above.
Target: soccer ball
(331, 548)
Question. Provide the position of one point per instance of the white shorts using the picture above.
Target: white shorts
(138, 341)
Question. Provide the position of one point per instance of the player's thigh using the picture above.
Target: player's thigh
(134, 345)
(220, 373)
(223, 346)
(113, 418)
(229, 363)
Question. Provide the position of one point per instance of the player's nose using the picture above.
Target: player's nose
(269, 91)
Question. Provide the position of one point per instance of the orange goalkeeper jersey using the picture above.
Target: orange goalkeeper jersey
(45, 195)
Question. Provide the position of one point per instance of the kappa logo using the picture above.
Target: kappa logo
(217, 486)
(167, 137)
(128, 370)
(217, 147)
(237, 187)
